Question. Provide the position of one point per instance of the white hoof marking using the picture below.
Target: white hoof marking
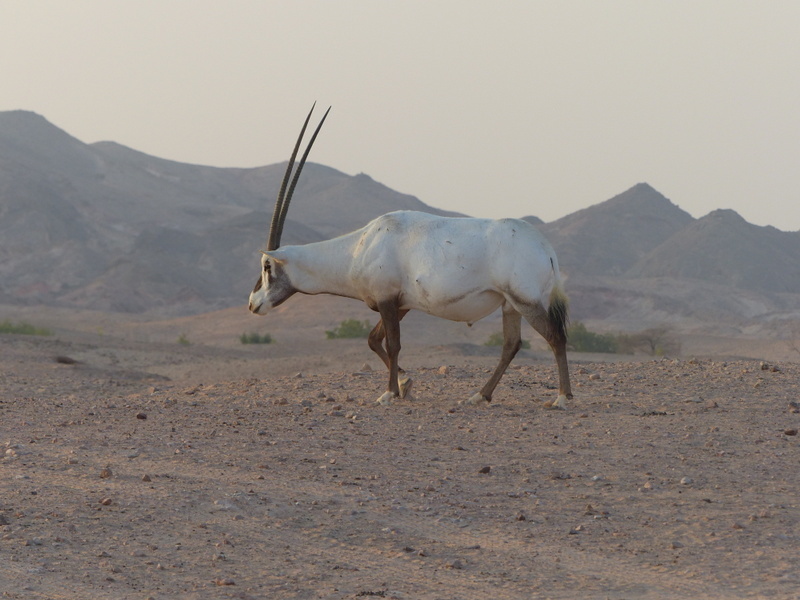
(474, 400)
(559, 404)
(385, 399)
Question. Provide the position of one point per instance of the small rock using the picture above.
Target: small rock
(576, 530)
(366, 367)
(454, 564)
(444, 370)
(146, 478)
(677, 545)
(485, 470)
(106, 473)
(594, 377)
(224, 581)
(106, 502)
(790, 432)
(686, 480)
(141, 416)
(66, 360)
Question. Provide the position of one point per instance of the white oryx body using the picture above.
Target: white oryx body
(461, 269)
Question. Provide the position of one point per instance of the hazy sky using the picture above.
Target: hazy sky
(503, 108)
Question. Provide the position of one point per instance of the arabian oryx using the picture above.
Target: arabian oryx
(460, 269)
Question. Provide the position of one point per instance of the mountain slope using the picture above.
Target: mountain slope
(608, 238)
(723, 248)
(103, 225)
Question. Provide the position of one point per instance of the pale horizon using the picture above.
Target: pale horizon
(512, 109)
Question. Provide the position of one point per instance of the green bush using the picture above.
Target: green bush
(23, 329)
(581, 339)
(255, 338)
(350, 328)
(183, 340)
(496, 339)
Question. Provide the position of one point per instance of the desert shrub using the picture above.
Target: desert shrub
(656, 341)
(183, 340)
(496, 339)
(255, 338)
(581, 339)
(350, 328)
(23, 329)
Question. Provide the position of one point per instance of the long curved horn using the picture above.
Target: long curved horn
(285, 205)
(274, 240)
(282, 202)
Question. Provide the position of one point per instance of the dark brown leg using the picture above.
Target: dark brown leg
(390, 317)
(554, 336)
(511, 344)
(376, 337)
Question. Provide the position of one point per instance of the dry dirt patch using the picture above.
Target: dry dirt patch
(664, 479)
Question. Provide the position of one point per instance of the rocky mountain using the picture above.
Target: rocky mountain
(609, 238)
(106, 227)
(725, 249)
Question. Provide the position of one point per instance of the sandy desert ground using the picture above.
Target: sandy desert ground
(136, 467)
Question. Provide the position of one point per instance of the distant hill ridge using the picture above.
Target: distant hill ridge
(105, 226)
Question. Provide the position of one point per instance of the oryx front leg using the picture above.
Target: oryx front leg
(375, 340)
(511, 345)
(390, 317)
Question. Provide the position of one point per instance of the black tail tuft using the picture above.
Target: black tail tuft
(558, 312)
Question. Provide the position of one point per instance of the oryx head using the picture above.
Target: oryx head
(273, 285)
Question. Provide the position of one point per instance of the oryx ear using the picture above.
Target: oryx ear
(272, 255)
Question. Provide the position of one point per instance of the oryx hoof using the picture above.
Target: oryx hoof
(559, 404)
(474, 400)
(385, 399)
(405, 387)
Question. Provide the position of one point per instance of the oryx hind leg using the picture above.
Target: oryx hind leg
(551, 325)
(511, 345)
